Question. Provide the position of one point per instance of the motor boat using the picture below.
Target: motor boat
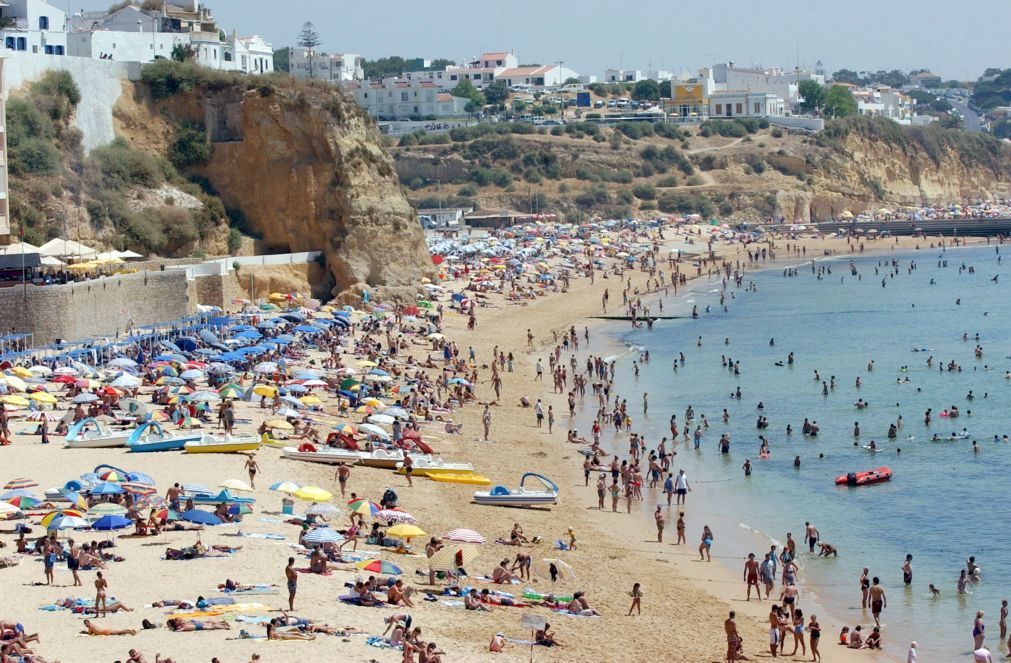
(151, 437)
(222, 444)
(502, 496)
(422, 465)
(864, 478)
(93, 434)
(222, 497)
(309, 453)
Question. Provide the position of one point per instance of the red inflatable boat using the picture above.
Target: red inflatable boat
(864, 478)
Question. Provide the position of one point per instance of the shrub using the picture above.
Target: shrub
(667, 182)
(776, 132)
(118, 166)
(36, 155)
(501, 178)
(644, 191)
(671, 203)
(467, 190)
(626, 196)
(24, 120)
(190, 147)
(408, 140)
(647, 205)
(234, 240)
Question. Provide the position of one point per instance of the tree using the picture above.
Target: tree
(282, 59)
(950, 121)
(847, 76)
(665, 90)
(497, 92)
(646, 90)
(309, 39)
(839, 102)
(813, 95)
(183, 52)
(571, 80)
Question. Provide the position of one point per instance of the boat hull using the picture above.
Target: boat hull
(221, 446)
(326, 457)
(177, 444)
(98, 442)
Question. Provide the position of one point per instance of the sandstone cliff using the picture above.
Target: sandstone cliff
(306, 169)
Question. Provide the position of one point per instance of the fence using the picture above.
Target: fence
(221, 266)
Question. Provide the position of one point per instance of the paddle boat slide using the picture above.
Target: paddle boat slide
(92, 434)
(502, 496)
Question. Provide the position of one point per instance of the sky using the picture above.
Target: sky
(954, 40)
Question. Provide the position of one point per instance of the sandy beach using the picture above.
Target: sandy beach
(683, 608)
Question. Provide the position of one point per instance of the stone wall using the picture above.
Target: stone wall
(96, 308)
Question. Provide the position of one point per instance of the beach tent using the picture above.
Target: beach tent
(67, 248)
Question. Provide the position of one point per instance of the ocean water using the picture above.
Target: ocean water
(944, 502)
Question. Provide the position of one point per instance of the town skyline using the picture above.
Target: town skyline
(770, 34)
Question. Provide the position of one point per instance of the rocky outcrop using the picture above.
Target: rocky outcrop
(307, 171)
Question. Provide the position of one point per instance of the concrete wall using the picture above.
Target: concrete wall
(100, 82)
(809, 123)
(96, 308)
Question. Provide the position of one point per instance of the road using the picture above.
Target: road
(971, 120)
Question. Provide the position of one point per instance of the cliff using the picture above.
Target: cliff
(301, 167)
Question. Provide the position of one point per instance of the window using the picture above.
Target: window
(453, 77)
(43, 22)
(740, 108)
(49, 50)
(758, 108)
(719, 109)
(403, 96)
(9, 43)
(22, 44)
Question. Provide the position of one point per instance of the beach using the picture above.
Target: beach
(685, 601)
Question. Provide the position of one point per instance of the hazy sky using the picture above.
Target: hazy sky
(955, 40)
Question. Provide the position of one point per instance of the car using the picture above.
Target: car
(599, 103)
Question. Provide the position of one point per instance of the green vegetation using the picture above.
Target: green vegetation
(396, 65)
(646, 90)
(993, 89)
(190, 147)
(839, 102)
(813, 95)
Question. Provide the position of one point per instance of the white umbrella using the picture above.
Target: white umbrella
(287, 412)
(322, 509)
(395, 516)
(127, 381)
(42, 371)
(265, 367)
(463, 536)
(382, 419)
(236, 484)
(323, 535)
(374, 430)
(65, 370)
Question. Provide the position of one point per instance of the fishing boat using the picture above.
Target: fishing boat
(328, 455)
(422, 465)
(222, 444)
(92, 434)
(151, 437)
(502, 496)
(864, 478)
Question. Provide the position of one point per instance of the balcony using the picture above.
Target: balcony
(12, 23)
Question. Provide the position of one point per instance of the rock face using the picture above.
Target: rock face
(308, 172)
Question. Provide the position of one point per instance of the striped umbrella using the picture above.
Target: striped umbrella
(394, 516)
(53, 515)
(463, 536)
(379, 566)
(285, 487)
(105, 509)
(346, 429)
(452, 557)
(231, 391)
(113, 475)
(20, 483)
(138, 488)
(24, 501)
(67, 522)
(323, 535)
(365, 507)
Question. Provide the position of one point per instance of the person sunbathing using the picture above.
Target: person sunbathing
(96, 630)
(287, 634)
(198, 625)
(473, 602)
(397, 595)
(579, 606)
(501, 574)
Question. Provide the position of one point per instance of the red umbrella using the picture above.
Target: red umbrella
(65, 379)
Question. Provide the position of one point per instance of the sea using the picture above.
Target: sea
(944, 503)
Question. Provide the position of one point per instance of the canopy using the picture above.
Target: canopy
(67, 248)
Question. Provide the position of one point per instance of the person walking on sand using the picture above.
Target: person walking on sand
(707, 543)
(101, 586)
(878, 600)
(486, 421)
(409, 469)
(636, 595)
(292, 578)
(733, 639)
(814, 637)
(681, 529)
(252, 468)
(751, 575)
(658, 517)
(342, 475)
(681, 486)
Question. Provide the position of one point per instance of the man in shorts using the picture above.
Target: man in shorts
(768, 572)
(751, 575)
(733, 639)
(774, 630)
(878, 600)
(681, 486)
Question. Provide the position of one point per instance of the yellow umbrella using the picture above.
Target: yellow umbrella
(312, 494)
(236, 484)
(373, 402)
(21, 372)
(43, 397)
(279, 424)
(14, 400)
(365, 363)
(265, 390)
(405, 531)
(310, 400)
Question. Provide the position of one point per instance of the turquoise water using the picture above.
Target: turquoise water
(943, 504)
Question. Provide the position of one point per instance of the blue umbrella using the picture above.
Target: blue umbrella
(105, 488)
(308, 329)
(297, 388)
(19, 492)
(111, 522)
(186, 344)
(251, 334)
(201, 517)
(239, 328)
(323, 535)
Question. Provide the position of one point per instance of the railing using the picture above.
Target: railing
(221, 266)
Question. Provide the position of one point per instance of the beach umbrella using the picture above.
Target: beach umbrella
(14, 382)
(24, 501)
(279, 424)
(265, 367)
(111, 522)
(113, 475)
(67, 522)
(347, 370)
(365, 508)
(105, 488)
(170, 380)
(125, 381)
(314, 383)
(346, 429)
(365, 363)
(310, 400)
(240, 509)
(382, 419)
(371, 401)
(236, 484)
(459, 381)
(20, 483)
(39, 415)
(231, 391)
(371, 429)
(135, 488)
(379, 566)
(53, 515)
(123, 362)
(63, 379)
(292, 401)
(322, 509)
(288, 487)
(405, 531)
(395, 516)
(542, 568)
(65, 370)
(297, 389)
(204, 397)
(287, 412)
(16, 401)
(312, 494)
(322, 535)
(6, 508)
(43, 397)
(168, 372)
(106, 509)
(192, 374)
(265, 390)
(397, 412)
(463, 536)
(378, 378)
(200, 517)
(451, 557)
(40, 371)
(83, 398)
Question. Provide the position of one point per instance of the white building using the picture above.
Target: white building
(885, 102)
(540, 76)
(481, 71)
(33, 26)
(730, 104)
(443, 218)
(659, 75)
(622, 76)
(783, 84)
(398, 99)
(326, 66)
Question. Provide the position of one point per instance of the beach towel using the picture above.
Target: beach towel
(452, 604)
(260, 535)
(255, 591)
(381, 643)
(354, 600)
(219, 611)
